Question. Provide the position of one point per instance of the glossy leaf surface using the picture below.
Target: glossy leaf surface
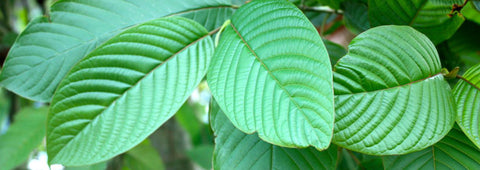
(49, 47)
(237, 150)
(434, 18)
(390, 96)
(467, 96)
(453, 152)
(125, 89)
(271, 74)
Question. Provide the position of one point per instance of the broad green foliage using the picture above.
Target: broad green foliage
(237, 150)
(22, 137)
(467, 95)
(465, 44)
(37, 62)
(470, 12)
(390, 97)
(271, 74)
(121, 92)
(431, 17)
(142, 156)
(356, 16)
(453, 152)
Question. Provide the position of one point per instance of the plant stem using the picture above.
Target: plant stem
(354, 157)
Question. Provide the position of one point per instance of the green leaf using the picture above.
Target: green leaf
(97, 166)
(431, 17)
(454, 152)
(467, 96)
(465, 43)
(202, 155)
(49, 47)
(335, 4)
(476, 4)
(356, 16)
(335, 51)
(471, 13)
(271, 74)
(143, 156)
(125, 89)
(187, 119)
(22, 137)
(237, 150)
(390, 94)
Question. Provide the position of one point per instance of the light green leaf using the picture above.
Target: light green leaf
(22, 137)
(237, 150)
(125, 89)
(471, 13)
(431, 17)
(454, 152)
(143, 157)
(390, 96)
(271, 74)
(49, 47)
(467, 96)
(202, 155)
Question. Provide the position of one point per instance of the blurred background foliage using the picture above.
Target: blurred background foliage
(186, 141)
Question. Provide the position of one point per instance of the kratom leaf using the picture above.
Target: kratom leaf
(390, 96)
(49, 47)
(22, 137)
(454, 152)
(237, 150)
(471, 13)
(356, 16)
(271, 73)
(143, 156)
(121, 92)
(467, 96)
(434, 18)
(465, 44)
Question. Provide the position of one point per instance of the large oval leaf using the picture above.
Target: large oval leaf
(454, 152)
(22, 137)
(390, 96)
(125, 89)
(237, 150)
(271, 73)
(431, 17)
(49, 47)
(467, 96)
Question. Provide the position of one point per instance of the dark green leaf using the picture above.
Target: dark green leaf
(454, 152)
(271, 74)
(143, 157)
(434, 18)
(335, 51)
(125, 89)
(237, 150)
(202, 155)
(356, 16)
(390, 94)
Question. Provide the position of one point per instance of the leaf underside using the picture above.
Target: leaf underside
(467, 96)
(49, 47)
(237, 150)
(454, 152)
(390, 97)
(271, 74)
(125, 89)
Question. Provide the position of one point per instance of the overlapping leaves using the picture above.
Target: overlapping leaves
(237, 150)
(434, 18)
(467, 96)
(271, 74)
(121, 92)
(49, 47)
(390, 96)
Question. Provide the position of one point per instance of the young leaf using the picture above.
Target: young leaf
(125, 89)
(237, 150)
(390, 94)
(454, 152)
(143, 156)
(271, 73)
(467, 96)
(434, 18)
(49, 47)
(22, 137)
